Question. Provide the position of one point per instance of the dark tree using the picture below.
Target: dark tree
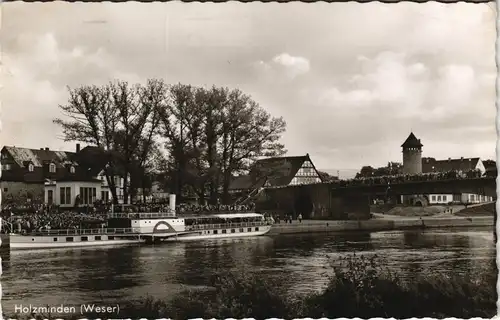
(365, 172)
(92, 119)
(212, 134)
(118, 118)
(325, 177)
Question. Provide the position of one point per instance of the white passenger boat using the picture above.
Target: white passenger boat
(135, 228)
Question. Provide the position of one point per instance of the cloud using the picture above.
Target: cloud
(294, 66)
(284, 65)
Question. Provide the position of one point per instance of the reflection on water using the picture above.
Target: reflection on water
(113, 274)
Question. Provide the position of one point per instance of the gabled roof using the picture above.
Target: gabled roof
(462, 164)
(41, 160)
(279, 171)
(412, 142)
(276, 171)
(39, 157)
(245, 182)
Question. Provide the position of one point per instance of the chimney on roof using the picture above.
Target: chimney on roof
(77, 147)
(462, 158)
(46, 149)
(449, 159)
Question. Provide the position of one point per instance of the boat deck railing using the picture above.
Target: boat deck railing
(142, 215)
(227, 225)
(64, 232)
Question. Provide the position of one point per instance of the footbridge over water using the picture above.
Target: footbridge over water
(331, 200)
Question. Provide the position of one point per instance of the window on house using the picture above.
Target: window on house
(6, 166)
(85, 195)
(65, 195)
(62, 195)
(72, 169)
(433, 198)
(52, 168)
(68, 195)
(50, 196)
(69, 239)
(31, 167)
(439, 198)
(104, 196)
(5, 189)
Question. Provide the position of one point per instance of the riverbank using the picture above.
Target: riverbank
(381, 223)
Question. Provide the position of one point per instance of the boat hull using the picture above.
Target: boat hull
(210, 235)
(21, 242)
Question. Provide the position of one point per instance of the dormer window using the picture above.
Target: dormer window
(52, 168)
(31, 167)
(72, 169)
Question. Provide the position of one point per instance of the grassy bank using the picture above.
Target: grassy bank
(359, 287)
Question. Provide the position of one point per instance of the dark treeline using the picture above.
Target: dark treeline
(192, 140)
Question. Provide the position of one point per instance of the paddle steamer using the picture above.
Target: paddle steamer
(136, 228)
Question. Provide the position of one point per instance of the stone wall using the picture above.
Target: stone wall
(316, 202)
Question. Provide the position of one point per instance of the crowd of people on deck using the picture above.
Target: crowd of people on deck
(183, 208)
(45, 221)
(403, 178)
(219, 208)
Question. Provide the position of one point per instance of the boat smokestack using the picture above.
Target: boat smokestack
(171, 202)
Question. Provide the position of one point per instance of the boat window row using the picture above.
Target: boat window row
(225, 231)
(225, 225)
(218, 220)
(68, 232)
(82, 239)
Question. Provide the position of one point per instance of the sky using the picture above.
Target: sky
(351, 80)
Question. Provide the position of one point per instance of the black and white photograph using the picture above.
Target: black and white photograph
(248, 160)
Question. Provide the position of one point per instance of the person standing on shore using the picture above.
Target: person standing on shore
(300, 217)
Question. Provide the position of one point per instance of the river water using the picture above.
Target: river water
(113, 274)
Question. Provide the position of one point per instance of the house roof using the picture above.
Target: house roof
(39, 157)
(41, 160)
(276, 171)
(462, 164)
(412, 142)
(246, 182)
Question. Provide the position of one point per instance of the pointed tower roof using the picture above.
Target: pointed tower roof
(412, 142)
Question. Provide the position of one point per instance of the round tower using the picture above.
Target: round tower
(412, 155)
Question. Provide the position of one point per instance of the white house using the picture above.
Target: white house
(461, 165)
